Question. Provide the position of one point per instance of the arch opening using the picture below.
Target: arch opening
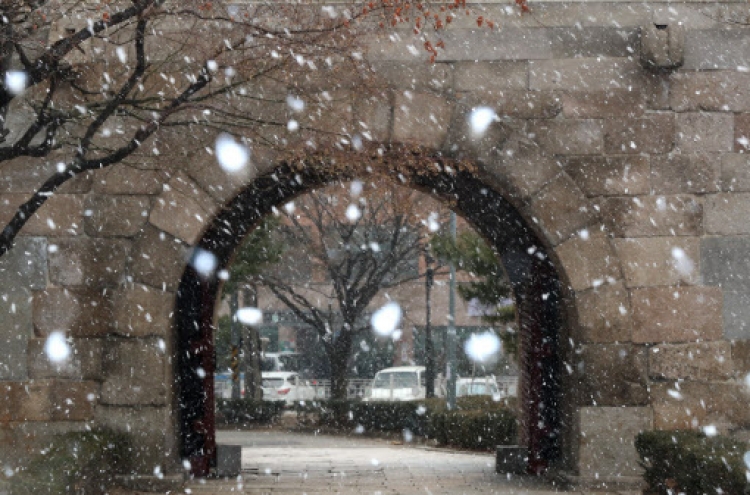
(532, 274)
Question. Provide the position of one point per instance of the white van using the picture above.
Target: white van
(401, 383)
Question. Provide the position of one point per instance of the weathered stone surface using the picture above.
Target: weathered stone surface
(135, 373)
(74, 400)
(522, 170)
(725, 262)
(158, 259)
(610, 375)
(569, 137)
(584, 74)
(713, 49)
(650, 261)
(374, 117)
(498, 44)
(676, 314)
(153, 431)
(183, 209)
(741, 357)
(693, 173)
(484, 147)
(26, 174)
(25, 264)
(689, 405)
(61, 215)
(736, 315)
(415, 76)
(603, 314)
(85, 360)
(726, 214)
(593, 42)
(91, 262)
(32, 400)
(645, 216)
(653, 133)
(603, 104)
(607, 436)
(611, 175)
(697, 361)
(123, 179)
(588, 262)
(79, 312)
(421, 118)
(491, 77)
(120, 216)
(735, 172)
(561, 209)
(703, 132)
(15, 330)
(710, 91)
(521, 104)
(141, 311)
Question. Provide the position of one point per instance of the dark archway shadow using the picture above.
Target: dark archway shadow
(534, 278)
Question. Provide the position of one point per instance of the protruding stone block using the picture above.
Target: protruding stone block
(663, 46)
(689, 405)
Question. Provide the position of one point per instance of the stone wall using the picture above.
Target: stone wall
(636, 180)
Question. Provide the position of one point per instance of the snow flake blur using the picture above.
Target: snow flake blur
(16, 81)
(480, 120)
(56, 347)
(386, 320)
(249, 316)
(483, 347)
(233, 156)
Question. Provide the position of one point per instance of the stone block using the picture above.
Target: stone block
(74, 400)
(736, 315)
(374, 117)
(584, 74)
(79, 312)
(741, 357)
(653, 133)
(689, 405)
(662, 46)
(25, 264)
(415, 76)
(95, 263)
(27, 174)
(15, 330)
(705, 131)
(497, 44)
(603, 314)
(644, 216)
(735, 172)
(158, 259)
(710, 91)
(600, 41)
(183, 209)
(141, 311)
(33, 401)
(522, 169)
(568, 137)
(491, 78)
(85, 360)
(693, 173)
(610, 375)
(742, 132)
(611, 175)
(713, 49)
(422, 119)
(116, 216)
(607, 440)
(483, 147)
(124, 179)
(701, 361)
(676, 314)
(628, 102)
(725, 262)
(511, 459)
(135, 373)
(588, 263)
(60, 215)
(726, 214)
(561, 209)
(153, 432)
(652, 261)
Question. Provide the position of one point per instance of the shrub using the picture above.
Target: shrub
(474, 429)
(238, 411)
(691, 462)
(77, 462)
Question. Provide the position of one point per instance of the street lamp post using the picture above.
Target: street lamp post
(429, 349)
(450, 371)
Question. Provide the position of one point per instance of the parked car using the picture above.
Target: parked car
(401, 383)
(478, 386)
(280, 361)
(286, 386)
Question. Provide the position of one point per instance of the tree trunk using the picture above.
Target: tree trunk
(338, 355)
(253, 377)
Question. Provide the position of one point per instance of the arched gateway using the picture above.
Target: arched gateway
(614, 184)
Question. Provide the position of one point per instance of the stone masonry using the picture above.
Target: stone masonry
(636, 178)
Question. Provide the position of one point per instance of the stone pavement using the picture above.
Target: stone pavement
(277, 463)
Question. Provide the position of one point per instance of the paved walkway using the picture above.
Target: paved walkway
(277, 463)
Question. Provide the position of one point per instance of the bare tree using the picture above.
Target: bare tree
(357, 248)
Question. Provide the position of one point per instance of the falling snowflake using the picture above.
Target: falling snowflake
(204, 262)
(249, 316)
(355, 189)
(483, 347)
(353, 213)
(233, 156)
(292, 125)
(15, 81)
(480, 120)
(386, 319)
(295, 103)
(56, 347)
(682, 262)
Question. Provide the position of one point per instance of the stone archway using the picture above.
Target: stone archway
(532, 272)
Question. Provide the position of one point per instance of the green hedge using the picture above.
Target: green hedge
(76, 462)
(692, 463)
(477, 423)
(238, 411)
